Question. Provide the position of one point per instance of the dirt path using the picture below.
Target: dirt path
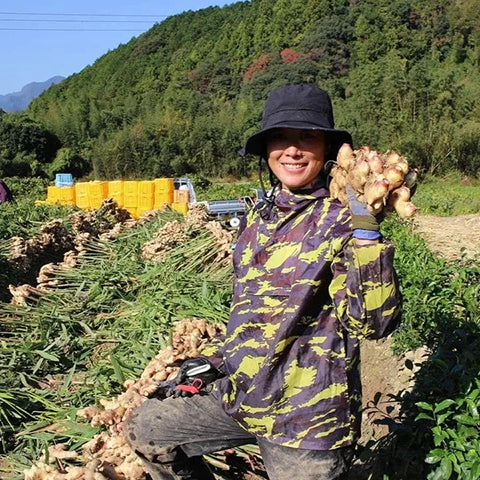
(383, 372)
(448, 235)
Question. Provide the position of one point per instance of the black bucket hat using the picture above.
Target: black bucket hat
(302, 106)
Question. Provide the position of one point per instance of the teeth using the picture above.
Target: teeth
(293, 166)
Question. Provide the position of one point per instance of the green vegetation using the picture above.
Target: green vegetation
(439, 296)
(436, 434)
(111, 316)
(26, 147)
(184, 96)
(448, 195)
(23, 218)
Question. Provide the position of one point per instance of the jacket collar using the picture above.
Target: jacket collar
(287, 200)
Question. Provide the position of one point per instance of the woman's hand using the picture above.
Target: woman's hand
(366, 226)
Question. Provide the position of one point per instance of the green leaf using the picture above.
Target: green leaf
(425, 406)
(47, 356)
(446, 467)
(37, 365)
(435, 456)
(68, 379)
(443, 405)
(437, 475)
(467, 420)
(476, 469)
(423, 416)
(117, 369)
(441, 418)
(87, 329)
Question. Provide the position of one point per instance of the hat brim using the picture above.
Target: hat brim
(256, 144)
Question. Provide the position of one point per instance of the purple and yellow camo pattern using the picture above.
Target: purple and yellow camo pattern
(303, 298)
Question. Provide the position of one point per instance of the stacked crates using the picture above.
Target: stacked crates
(180, 201)
(63, 192)
(181, 196)
(81, 195)
(180, 207)
(60, 195)
(67, 195)
(115, 191)
(146, 196)
(130, 196)
(53, 195)
(63, 180)
(135, 196)
(97, 193)
(164, 189)
(90, 194)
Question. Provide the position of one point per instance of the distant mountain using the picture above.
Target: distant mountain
(18, 101)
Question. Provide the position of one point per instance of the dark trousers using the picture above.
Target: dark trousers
(172, 435)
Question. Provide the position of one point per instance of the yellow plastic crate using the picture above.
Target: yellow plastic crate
(97, 193)
(133, 211)
(162, 199)
(81, 195)
(142, 210)
(146, 195)
(130, 194)
(180, 207)
(67, 195)
(53, 195)
(163, 185)
(115, 191)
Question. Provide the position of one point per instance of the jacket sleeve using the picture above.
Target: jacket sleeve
(213, 352)
(364, 290)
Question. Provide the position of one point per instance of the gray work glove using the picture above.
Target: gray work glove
(366, 225)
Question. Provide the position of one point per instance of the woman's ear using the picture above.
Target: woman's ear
(327, 167)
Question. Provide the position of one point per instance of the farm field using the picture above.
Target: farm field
(88, 336)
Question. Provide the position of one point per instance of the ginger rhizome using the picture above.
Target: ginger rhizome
(382, 181)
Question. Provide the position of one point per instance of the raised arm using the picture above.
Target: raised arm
(365, 290)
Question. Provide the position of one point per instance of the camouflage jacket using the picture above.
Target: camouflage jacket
(303, 298)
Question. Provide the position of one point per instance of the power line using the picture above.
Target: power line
(70, 29)
(84, 14)
(70, 21)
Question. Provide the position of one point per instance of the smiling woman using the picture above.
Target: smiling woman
(305, 293)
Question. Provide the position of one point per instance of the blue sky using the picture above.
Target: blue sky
(35, 47)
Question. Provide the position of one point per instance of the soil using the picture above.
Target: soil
(382, 372)
(447, 236)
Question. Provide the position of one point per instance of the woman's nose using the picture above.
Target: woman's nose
(293, 150)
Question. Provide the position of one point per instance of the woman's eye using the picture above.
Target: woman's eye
(275, 136)
(308, 135)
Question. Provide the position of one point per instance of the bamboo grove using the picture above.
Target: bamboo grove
(183, 96)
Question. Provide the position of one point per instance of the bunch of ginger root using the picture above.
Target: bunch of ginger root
(382, 181)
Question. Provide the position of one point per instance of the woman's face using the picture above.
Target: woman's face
(296, 156)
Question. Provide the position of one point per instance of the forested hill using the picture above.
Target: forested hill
(184, 96)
